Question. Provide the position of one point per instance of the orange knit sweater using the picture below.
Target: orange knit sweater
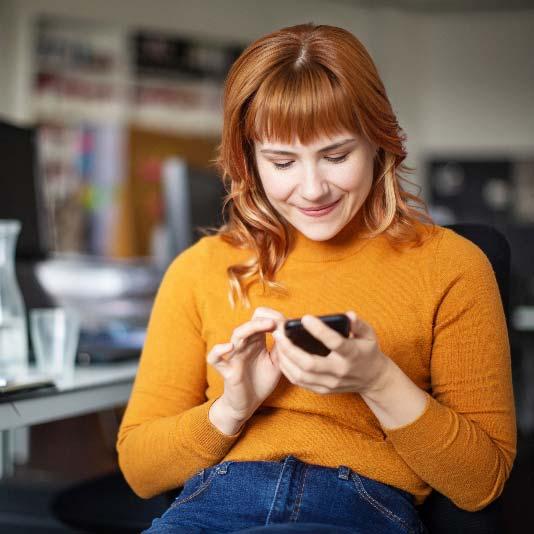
(437, 313)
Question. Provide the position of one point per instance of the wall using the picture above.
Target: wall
(479, 85)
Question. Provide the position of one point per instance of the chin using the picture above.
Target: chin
(319, 233)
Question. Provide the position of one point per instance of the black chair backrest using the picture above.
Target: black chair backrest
(441, 515)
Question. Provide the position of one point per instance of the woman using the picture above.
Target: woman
(419, 397)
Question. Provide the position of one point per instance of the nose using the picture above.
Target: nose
(313, 187)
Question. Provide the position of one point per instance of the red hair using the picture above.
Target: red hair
(304, 82)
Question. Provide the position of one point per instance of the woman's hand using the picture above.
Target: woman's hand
(249, 371)
(355, 364)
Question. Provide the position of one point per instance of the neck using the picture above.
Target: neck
(349, 240)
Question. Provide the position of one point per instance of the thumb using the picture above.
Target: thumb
(274, 356)
(358, 327)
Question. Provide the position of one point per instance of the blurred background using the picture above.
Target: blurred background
(110, 113)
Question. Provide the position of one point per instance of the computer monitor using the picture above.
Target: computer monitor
(193, 200)
(21, 194)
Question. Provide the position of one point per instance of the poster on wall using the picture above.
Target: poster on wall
(179, 81)
(80, 71)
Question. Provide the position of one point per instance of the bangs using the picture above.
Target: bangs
(299, 103)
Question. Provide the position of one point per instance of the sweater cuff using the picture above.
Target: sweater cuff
(414, 437)
(204, 434)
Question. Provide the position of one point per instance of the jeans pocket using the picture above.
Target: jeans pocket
(393, 503)
(196, 485)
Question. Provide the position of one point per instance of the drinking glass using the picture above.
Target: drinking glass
(55, 333)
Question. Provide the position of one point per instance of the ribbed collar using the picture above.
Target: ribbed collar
(345, 243)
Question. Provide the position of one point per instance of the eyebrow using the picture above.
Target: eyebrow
(325, 149)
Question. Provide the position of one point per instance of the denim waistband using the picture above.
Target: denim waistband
(343, 471)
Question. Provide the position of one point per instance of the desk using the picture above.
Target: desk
(90, 389)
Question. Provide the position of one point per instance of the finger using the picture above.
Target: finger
(358, 327)
(218, 352)
(252, 327)
(264, 312)
(330, 338)
(292, 371)
(274, 356)
(311, 381)
(303, 360)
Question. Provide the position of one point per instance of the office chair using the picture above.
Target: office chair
(439, 514)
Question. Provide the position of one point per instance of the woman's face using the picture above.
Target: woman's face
(317, 187)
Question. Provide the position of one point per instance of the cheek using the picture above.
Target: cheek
(353, 178)
(276, 187)
(279, 190)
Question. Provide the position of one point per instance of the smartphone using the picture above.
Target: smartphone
(303, 339)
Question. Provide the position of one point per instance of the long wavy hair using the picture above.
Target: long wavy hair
(303, 82)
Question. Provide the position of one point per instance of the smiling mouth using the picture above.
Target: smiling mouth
(321, 211)
(320, 208)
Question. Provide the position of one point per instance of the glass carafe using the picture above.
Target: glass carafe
(13, 326)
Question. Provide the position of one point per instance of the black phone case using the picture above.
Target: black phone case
(303, 339)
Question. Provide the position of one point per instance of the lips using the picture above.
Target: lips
(321, 210)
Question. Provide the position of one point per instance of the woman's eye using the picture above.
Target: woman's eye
(287, 164)
(337, 159)
(282, 165)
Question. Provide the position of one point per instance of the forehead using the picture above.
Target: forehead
(318, 142)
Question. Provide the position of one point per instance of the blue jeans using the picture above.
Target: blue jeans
(237, 496)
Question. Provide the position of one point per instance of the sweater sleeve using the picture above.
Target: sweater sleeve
(165, 435)
(464, 443)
